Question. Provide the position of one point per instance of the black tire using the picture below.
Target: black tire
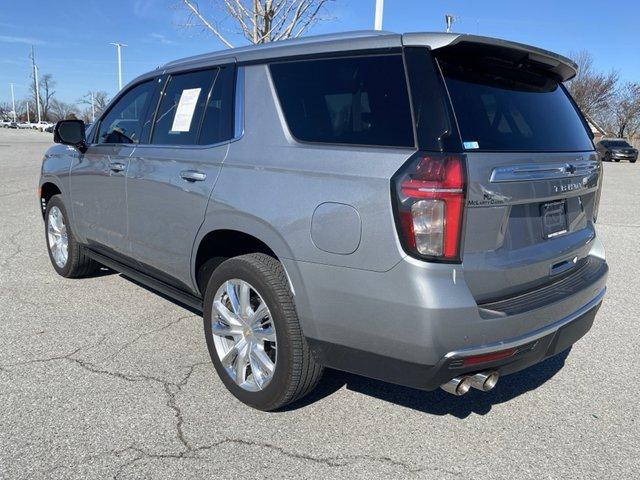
(296, 372)
(607, 157)
(633, 161)
(616, 159)
(78, 264)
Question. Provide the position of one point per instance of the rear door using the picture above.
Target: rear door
(532, 171)
(170, 178)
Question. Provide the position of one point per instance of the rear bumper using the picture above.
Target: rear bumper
(530, 350)
(412, 324)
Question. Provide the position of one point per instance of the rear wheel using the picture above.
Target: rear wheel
(253, 334)
(66, 254)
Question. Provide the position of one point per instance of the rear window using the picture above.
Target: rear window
(505, 109)
(356, 100)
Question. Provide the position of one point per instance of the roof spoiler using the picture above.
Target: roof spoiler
(561, 66)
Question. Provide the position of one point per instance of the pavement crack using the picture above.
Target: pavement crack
(12, 240)
(146, 334)
(328, 461)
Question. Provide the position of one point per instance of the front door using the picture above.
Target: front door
(98, 178)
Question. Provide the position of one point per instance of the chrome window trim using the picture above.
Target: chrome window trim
(238, 117)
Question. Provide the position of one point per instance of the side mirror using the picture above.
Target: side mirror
(71, 132)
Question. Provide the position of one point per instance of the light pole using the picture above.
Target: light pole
(119, 47)
(379, 9)
(13, 102)
(28, 119)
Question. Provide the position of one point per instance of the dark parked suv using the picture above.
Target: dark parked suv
(616, 149)
(416, 208)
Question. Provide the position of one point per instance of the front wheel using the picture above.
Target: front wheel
(253, 334)
(66, 254)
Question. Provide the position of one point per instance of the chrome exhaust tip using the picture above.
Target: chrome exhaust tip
(457, 386)
(484, 381)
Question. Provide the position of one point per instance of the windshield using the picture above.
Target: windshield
(618, 143)
(501, 108)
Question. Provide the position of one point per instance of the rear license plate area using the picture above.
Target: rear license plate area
(554, 218)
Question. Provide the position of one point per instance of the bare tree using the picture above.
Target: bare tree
(259, 21)
(61, 110)
(100, 101)
(47, 92)
(593, 91)
(625, 114)
(5, 109)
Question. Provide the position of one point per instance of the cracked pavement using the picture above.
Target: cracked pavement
(101, 378)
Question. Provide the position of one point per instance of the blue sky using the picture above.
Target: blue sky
(72, 37)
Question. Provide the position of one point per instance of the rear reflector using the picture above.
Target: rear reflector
(488, 357)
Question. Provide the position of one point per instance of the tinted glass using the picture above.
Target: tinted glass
(617, 144)
(123, 123)
(505, 109)
(217, 125)
(181, 106)
(433, 120)
(360, 100)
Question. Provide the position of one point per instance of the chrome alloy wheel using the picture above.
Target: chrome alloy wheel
(57, 235)
(244, 335)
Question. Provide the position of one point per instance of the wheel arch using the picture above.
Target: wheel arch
(234, 235)
(48, 189)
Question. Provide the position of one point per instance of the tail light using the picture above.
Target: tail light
(430, 193)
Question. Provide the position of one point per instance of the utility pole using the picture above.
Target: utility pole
(379, 9)
(28, 119)
(119, 47)
(35, 81)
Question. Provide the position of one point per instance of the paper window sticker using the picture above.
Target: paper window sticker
(185, 110)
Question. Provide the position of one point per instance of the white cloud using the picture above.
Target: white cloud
(27, 40)
(158, 37)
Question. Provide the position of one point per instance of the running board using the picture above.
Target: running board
(159, 286)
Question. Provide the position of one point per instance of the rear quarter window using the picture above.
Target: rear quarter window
(355, 100)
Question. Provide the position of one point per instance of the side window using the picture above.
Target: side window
(123, 122)
(181, 108)
(217, 125)
(357, 100)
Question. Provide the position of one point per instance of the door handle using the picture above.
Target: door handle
(193, 175)
(116, 167)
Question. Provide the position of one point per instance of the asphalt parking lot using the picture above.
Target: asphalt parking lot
(101, 378)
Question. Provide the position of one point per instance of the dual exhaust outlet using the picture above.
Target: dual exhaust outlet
(484, 381)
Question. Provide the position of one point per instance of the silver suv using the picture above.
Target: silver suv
(415, 208)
